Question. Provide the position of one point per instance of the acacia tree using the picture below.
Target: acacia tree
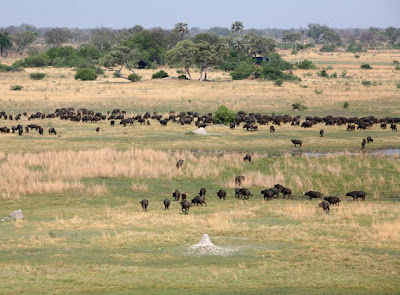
(260, 46)
(23, 40)
(392, 34)
(5, 43)
(183, 54)
(57, 36)
(207, 55)
(332, 37)
(121, 56)
(316, 31)
(291, 37)
(182, 30)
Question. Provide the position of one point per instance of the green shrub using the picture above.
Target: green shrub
(356, 56)
(398, 85)
(16, 88)
(365, 67)
(38, 61)
(37, 76)
(396, 62)
(345, 105)
(318, 91)
(5, 68)
(397, 68)
(180, 72)
(242, 71)
(159, 75)
(303, 86)
(117, 75)
(278, 82)
(305, 65)
(366, 83)
(294, 52)
(86, 74)
(99, 71)
(270, 72)
(344, 74)
(355, 47)
(323, 73)
(328, 48)
(182, 77)
(298, 106)
(134, 78)
(223, 115)
(333, 75)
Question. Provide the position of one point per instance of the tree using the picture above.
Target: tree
(102, 38)
(57, 36)
(5, 43)
(207, 55)
(368, 37)
(121, 56)
(316, 31)
(260, 46)
(182, 30)
(23, 40)
(213, 39)
(184, 55)
(237, 28)
(291, 37)
(332, 37)
(219, 31)
(392, 34)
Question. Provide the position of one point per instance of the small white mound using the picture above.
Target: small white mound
(206, 247)
(201, 131)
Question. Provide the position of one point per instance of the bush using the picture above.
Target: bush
(298, 106)
(294, 52)
(38, 61)
(305, 65)
(366, 83)
(323, 73)
(355, 47)
(398, 85)
(16, 88)
(160, 75)
(86, 75)
(5, 68)
(278, 82)
(242, 71)
(334, 75)
(223, 115)
(99, 71)
(182, 77)
(328, 48)
(396, 62)
(366, 67)
(356, 56)
(397, 68)
(344, 74)
(345, 105)
(117, 75)
(134, 78)
(270, 72)
(37, 76)
(318, 91)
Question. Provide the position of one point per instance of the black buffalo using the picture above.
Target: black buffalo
(297, 142)
(313, 195)
(325, 206)
(333, 200)
(145, 204)
(357, 195)
(199, 201)
(247, 158)
(221, 194)
(166, 204)
(185, 206)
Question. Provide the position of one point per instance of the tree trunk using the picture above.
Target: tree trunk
(188, 73)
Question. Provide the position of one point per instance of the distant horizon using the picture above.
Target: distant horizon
(89, 14)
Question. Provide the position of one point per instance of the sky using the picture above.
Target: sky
(201, 13)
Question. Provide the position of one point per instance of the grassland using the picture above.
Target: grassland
(85, 232)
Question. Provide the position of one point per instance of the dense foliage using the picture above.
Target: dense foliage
(86, 74)
(223, 115)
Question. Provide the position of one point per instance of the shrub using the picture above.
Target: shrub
(16, 88)
(278, 82)
(397, 68)
(134, 78)
(328, 48)
(398, 85)
(223, 115)
(37, 76)
(366, 83)
(180, 72)
(345, 105)
(160, 75)
(396, 62)
(117, 75)
(323, 73)
(303, 86)
(305, 65)
(356, 56)
(355, 47)
(242, 71)
(86, 74)
(366, 66)
(298, 106)
(334, 75)
(38, 61)
(182, 77)
(318, 91)
(344, 74)
(294, 52)
(5, 68)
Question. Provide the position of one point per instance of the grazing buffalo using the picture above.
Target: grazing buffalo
(393, 127)
(297, 142)
(40, 128)
(166, 204)
(321, 132)
(287, 193)
(325, 206)
(272, 129)
(179, 164)
(357, 195)
(98, 129)
(363, 143)
(232, 126)
(183, 197)
(203, 192)
(333, 200)
(247, 158)
(221, 194)
(313, 195)
(268, 194)
(370, 139)
(185, 206)
(199, 201)
(245, 193)
(176, 195)
(144, 204)
(112, 122)
(239, 179)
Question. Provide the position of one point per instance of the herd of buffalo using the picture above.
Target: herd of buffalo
(249, 120)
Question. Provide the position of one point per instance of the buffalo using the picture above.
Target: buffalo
(203, 192)
(144, 204)
(179, 164)
(167, 203)
(325, 206)
(333, 200)
(297, 142)
(221, 194)
(176, 195)
(321, 132)
(313, 195)
(245, 193)
(370, 139)
(239, 179)
(199, 201)
(185, 206)
(272, 129)
(247, 158)
(357, 195)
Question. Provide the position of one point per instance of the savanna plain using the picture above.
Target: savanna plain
(84, 231)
